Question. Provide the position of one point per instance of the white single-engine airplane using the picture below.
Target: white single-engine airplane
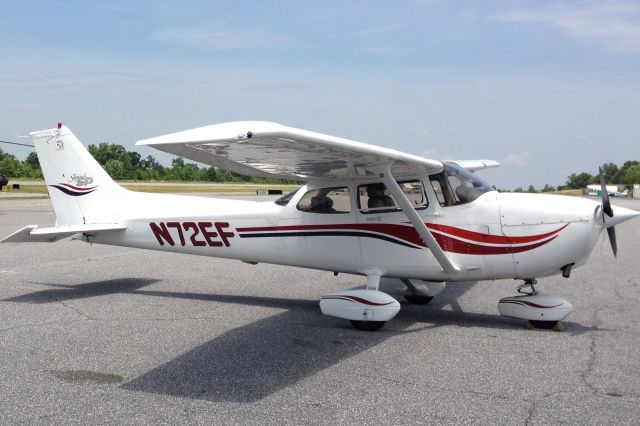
(364, 210)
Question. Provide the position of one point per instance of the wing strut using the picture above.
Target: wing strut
(411, 213)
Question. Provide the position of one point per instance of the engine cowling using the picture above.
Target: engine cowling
(535, 307)
(360, 305)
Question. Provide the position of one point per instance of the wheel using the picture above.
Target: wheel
(547, 325)
(417, 299)
(367, 325)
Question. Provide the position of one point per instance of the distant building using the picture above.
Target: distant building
(594, 189)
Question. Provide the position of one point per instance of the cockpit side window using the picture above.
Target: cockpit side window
(376, 198)
(456, 185)
(326, 201)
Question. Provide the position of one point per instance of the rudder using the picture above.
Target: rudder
(81, 191)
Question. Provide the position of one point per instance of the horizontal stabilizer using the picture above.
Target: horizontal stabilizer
(33, 234)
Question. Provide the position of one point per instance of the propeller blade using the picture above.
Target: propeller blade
(606, 204)
(612, 239)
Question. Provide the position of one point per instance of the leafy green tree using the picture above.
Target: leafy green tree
(149, 163)
(633, 175)
(532, 189)
(621, 175)
(609, 170)
(579, 181)
(115, 168)
(11, 166)
(630, 175)
(31, 166)
(32, 160)
(104, 152)
(548, 188)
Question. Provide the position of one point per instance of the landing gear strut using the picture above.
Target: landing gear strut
(540, 309)
(414, 296)
(420, 292)
(531, 283)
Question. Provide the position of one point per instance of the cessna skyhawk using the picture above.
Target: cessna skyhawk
(364, 210)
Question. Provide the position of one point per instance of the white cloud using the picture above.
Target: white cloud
(614, 24)
(516, 159)
(437, 155)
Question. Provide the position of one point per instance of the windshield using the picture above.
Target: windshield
(284, 200)
(456, 185)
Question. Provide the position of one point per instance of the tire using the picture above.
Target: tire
(547, 325)
(367, 325)
(416, 299)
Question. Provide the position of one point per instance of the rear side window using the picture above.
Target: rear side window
(326, 201)
(375, 197)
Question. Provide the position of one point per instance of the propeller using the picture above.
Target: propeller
(606, 208)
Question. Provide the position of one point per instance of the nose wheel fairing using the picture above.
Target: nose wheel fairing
(542, 310)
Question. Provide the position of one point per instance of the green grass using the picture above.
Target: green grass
(9, 197)
(26, 189)
(572, 192)
(195, 188)
(169, 188)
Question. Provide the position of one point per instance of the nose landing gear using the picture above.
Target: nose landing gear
(542, 310)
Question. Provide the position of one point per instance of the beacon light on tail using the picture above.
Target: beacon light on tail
(363, 210)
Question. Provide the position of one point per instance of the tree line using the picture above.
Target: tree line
(628, 174)
(129, 165)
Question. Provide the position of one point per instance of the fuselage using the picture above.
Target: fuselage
(492, 236)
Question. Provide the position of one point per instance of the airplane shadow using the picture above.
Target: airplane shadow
(253, 361)
(62, 292)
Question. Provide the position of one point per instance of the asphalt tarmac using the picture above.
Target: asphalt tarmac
(98, 334)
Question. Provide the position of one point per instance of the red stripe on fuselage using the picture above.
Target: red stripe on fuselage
(446, 242)
(406, 233)
(491, 239)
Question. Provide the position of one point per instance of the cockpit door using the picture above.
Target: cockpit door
(388, 240)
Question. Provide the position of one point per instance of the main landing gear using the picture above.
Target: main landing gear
(369, 309)
(366, 309)
(420, 292)
(542, 310)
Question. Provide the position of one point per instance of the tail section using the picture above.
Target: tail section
(81, 191)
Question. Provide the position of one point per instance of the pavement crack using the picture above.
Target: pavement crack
(72, 308)
(626, 297)
(77, 311)
(438, 388)
(17, 327)
(584, 375)
(530, 413)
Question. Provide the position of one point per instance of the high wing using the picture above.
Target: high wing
(475, 165)
(265, 149)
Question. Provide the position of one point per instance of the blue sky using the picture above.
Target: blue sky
(546, 88)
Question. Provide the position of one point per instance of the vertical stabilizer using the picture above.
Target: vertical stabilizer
(81, 191)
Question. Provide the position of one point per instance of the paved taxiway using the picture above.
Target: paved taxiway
(94, 334)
